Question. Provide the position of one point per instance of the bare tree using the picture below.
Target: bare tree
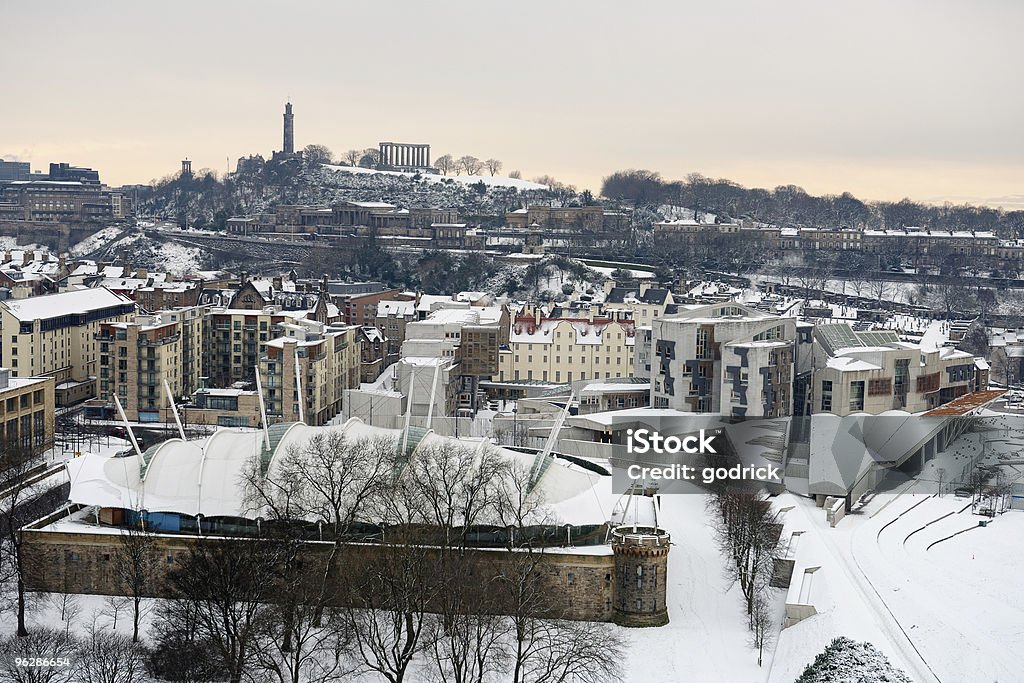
(41, 642)
(352, 157)
(370, 158)
(19, 505)
(880, 289)
(517, 174)
(105, 657)
(181, 651)
(223, 589)
(317, 154)
(761, 625)
(469, 164)
(493, 166)
(135, 566)
(445, 164)
(389, 604)
(319, 488)
(584, 651)
(70, 607)
(113, 606)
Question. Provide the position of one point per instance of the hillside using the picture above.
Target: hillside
(206, 201)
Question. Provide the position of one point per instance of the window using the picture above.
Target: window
(826, 396)
(857, 395)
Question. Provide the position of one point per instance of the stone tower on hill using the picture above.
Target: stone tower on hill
(289, 130)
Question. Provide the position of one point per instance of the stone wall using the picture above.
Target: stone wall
(579, 583)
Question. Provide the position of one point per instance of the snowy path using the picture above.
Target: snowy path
(706, 638)
(846, 560)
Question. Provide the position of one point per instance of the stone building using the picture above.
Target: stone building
(26, 412)
(136, 358)
(55, 335)
(327, 362)
(562, 346)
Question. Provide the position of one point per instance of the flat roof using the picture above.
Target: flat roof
(967, 403)
(65, 303)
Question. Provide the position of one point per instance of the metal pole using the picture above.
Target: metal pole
(174, 409)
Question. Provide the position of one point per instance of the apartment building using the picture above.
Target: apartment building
(643, 302)
(26, 412)
(235, 339)
(873, 372)
(724, 358)
(391, 319)
(136, 357)
(55, 335)
(326, 361)
(567, 345)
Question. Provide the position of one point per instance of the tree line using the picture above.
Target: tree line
(790, 205)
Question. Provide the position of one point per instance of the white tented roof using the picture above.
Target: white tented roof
(208, 476)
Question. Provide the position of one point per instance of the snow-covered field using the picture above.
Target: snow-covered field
(490, 181)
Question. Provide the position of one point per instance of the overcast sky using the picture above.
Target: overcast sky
(884, 99)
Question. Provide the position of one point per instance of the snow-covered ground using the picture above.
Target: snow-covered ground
(178, 259)
(95, 241)
(913, 573)
(8, 242)
(490, 181)
(706, 638)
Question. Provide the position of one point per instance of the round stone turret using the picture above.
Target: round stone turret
(641, 573)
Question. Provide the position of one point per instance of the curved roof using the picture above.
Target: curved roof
(208, 476)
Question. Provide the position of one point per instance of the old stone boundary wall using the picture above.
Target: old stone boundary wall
(577, 585)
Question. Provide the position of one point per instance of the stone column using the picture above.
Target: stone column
(428, 156)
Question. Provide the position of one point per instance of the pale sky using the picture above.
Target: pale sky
(884, 99)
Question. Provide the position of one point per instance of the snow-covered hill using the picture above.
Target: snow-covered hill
(489, 181)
